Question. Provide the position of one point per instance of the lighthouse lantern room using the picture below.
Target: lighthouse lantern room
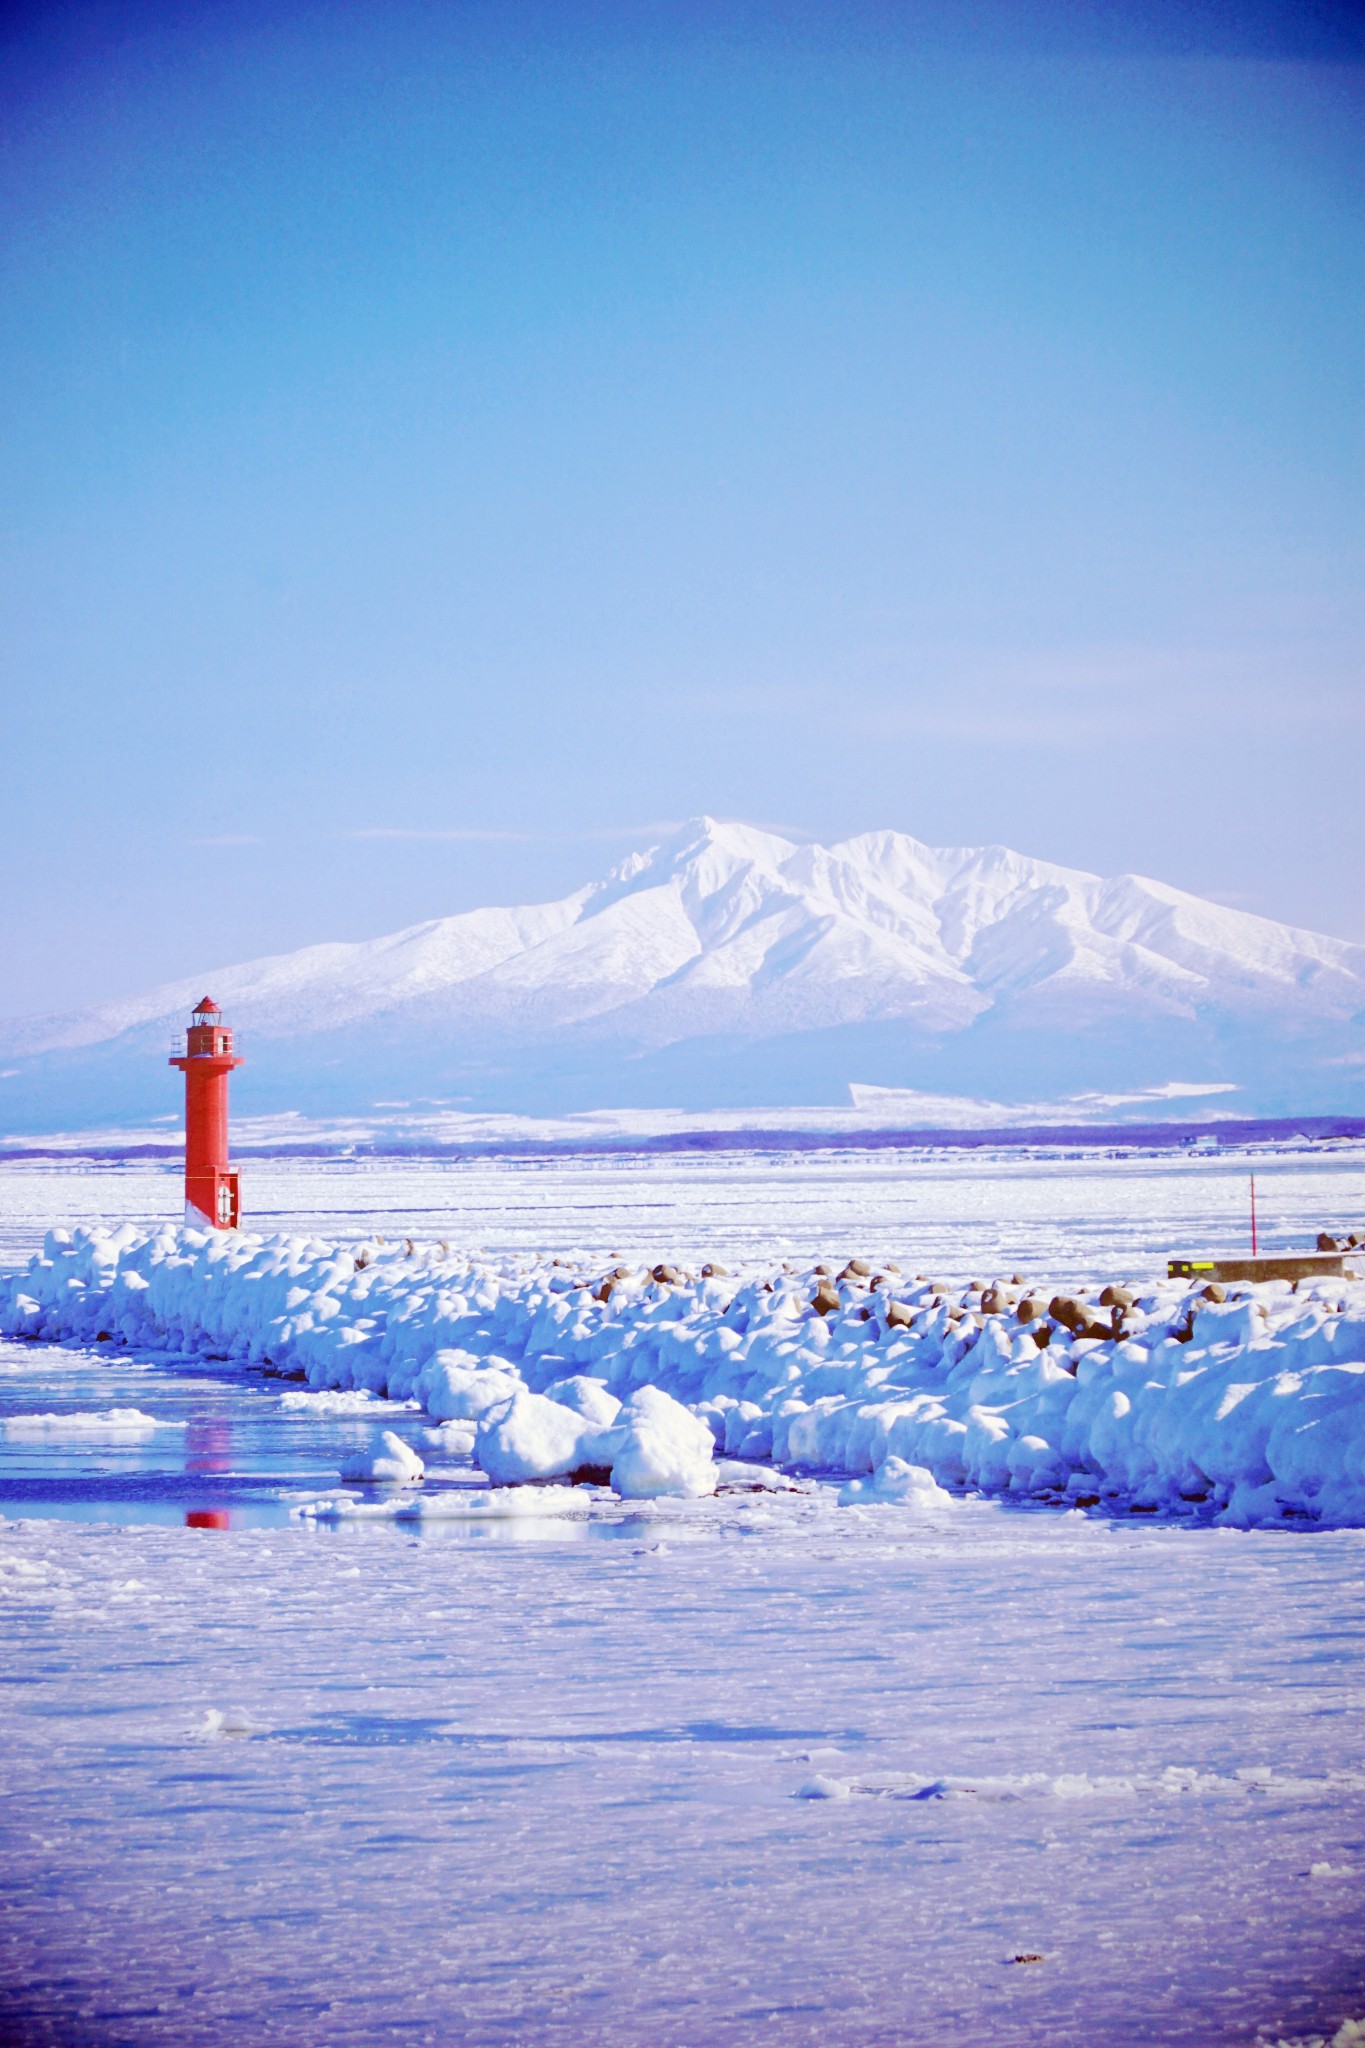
(211, 1189)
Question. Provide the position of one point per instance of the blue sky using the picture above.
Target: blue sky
(438, 444)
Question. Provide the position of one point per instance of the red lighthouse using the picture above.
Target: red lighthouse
(211, 1193)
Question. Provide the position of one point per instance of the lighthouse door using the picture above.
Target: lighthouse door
(224, 1204)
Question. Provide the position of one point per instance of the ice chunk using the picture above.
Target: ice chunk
(896, 1480)
(395, 1464)
(823, 1787)
(231, 1721)
(661, 1448)
(531, 1437)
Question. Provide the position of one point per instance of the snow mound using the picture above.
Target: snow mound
(457, 1386)
(587, 1397)
(823, 1787)
(233, 1722)
(531, 1437)
(395, 1464)
(660, 1448)
(651, 1445)
(895, 1480)
(1249, 1411)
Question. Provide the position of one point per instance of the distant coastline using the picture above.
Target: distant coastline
(1225, 1135)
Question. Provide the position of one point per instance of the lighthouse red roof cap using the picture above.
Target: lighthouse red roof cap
(206, 1007)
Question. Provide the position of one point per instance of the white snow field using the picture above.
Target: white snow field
(1087, 1214)
(714, 1752)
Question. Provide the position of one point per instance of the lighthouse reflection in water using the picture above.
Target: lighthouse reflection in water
(208, 1451)
(164, 1439)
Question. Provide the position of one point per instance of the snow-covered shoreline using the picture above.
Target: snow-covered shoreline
(1250, 1409)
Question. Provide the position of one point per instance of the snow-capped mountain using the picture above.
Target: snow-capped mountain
(728, 966)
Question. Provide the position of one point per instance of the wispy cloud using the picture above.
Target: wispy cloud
(477, 835)
(597, 832)
(472, 835)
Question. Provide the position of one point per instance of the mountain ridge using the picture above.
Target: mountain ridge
(955, 967)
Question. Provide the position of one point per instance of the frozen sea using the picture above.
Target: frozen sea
(680, 1773)
(1082, 1214)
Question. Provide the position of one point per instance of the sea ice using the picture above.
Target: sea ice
(567, 1766)
(386, 1776)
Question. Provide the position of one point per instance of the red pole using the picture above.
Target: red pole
(211, 1191)
(1253, 1215)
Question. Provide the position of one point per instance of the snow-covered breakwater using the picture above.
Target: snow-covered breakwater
(1251, 1407)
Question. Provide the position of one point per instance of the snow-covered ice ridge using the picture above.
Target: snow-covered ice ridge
(1251, 1408)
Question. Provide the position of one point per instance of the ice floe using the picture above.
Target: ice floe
(452, 1504)
(85, 1422)
(309, 1402)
